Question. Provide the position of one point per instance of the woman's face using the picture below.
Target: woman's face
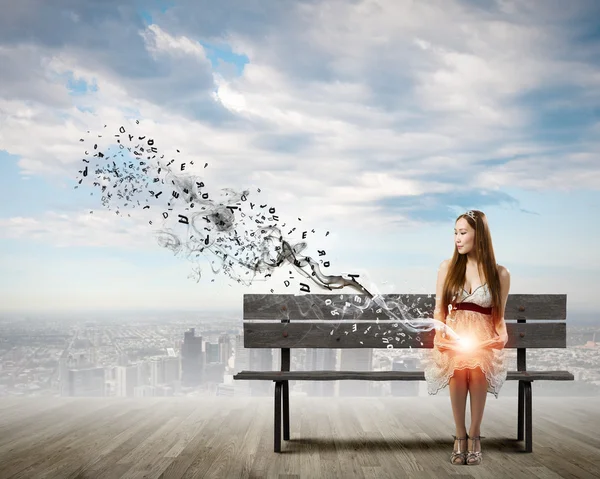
(464, 236)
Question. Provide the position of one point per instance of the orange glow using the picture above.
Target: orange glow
(467, 343)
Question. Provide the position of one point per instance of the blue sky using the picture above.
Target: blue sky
(377, 122)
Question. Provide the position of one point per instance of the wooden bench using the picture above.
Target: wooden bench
(310, 321)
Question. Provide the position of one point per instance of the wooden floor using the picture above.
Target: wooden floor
(334, 437)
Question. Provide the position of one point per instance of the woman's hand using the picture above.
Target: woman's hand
(496, 342)
(445, 344)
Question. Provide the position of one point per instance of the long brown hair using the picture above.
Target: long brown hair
(484, 253)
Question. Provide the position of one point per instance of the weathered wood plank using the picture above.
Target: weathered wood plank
(406, 436)
(385, 375)
(370, 334)
(357, 306)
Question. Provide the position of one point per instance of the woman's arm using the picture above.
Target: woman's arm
(502, 336)
(504, 289)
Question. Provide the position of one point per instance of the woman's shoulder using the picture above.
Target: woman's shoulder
(502, 270)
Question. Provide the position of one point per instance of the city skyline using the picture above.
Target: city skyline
(183, 358)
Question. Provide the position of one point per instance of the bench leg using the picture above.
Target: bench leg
(528, 418)
(277, 416)
(521, 411)
(286, 410)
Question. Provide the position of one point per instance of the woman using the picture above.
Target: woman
(468, 351)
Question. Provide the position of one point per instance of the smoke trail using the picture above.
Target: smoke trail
(239, 236)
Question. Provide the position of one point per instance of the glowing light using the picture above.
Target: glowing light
(467, 343)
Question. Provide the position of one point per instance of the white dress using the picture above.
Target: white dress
(440, 365)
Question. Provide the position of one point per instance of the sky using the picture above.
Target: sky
(379, 121)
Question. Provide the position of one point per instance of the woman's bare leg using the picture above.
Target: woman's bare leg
(458, 397)
(478, 393)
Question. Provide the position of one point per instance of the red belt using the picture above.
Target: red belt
(471, 307)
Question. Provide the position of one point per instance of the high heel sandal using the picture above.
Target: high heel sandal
(474, 458)
(459, 457)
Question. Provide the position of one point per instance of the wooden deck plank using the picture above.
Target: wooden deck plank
(44, 418)
(242, 450)
(311, 437)
(264, 438)
(342, 443)
(392, 438)
(185, 450)
(33, 450)
(21, 407)
(108, 462)
(208, 443)
(301, 427)
(331, 437)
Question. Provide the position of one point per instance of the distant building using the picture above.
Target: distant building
(143, 373)
(88, 382)
(192, 359)
(405, 388)
(143, 391)
(261, 360)
(65, 363)
(126, 378)
(152, 391)
(234, 390)
(225, 349)
(212, 353)
(172, 369)
(242, 355)
(320, 359)
(241, 362)
(163, 370)
(157, 371)
(355, 359)
(214, 373)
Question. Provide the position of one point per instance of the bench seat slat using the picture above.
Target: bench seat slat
(371, 335)
(386, 375)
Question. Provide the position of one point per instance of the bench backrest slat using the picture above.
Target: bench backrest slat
(313, 306)
(341, 334)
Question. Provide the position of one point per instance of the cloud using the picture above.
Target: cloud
(381, 108)
(158, 41)
(63, 230)
(24, 81)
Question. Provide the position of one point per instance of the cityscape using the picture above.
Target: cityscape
(161, 356)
